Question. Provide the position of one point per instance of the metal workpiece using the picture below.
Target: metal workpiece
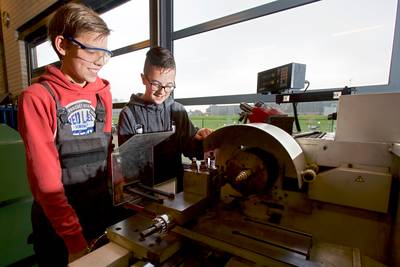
(270, 139)
(251, 171)
(243, 176)
(160, 225)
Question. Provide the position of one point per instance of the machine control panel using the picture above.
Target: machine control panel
(276, 80)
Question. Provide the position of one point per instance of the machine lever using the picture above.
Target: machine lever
(142, 194)
(163, 193)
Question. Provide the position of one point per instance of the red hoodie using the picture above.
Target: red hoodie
(37, 123)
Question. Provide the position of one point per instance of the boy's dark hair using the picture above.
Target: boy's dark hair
(74, 19)
(159, 57)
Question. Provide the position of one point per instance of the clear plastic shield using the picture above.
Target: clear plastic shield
(133, 162)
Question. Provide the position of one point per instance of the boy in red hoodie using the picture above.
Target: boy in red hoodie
(65, 122)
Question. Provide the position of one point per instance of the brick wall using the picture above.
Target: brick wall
(20, 12)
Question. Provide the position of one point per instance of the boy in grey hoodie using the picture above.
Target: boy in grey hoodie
(156, 111)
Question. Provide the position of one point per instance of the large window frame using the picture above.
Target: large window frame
(264, 10)
(163, 34)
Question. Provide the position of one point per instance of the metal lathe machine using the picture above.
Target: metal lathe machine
(271, 199)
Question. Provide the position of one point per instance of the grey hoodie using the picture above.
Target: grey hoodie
(159, 118)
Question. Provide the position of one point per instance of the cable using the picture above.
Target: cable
(93, 244)
(296, 117)
(308, 85)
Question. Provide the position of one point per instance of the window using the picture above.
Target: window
(129, 23)
(191, 12)
(123, 73)
(45, 55)
(313, 115)
(336, 39)
(213, 116)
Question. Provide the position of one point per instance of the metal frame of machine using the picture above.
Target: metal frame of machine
(276, 200)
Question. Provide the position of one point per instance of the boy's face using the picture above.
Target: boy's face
(159, 84)
(82, 65)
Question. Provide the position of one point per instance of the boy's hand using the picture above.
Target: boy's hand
(203, 133)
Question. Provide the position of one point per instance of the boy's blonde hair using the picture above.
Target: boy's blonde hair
(74, 19)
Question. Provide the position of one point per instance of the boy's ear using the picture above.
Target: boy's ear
(143, 78)
(60, 44)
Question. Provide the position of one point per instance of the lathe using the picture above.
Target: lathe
(271, 199)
